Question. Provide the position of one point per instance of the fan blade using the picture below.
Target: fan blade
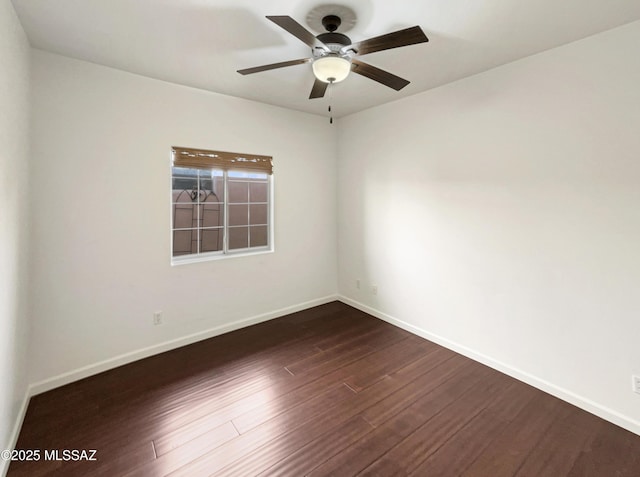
(376, 74)
(318, 90)
(273, 66)
(297, 30)
(406, 37)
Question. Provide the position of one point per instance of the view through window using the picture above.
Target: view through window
(218, 209)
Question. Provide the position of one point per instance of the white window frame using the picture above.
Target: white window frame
(225, 252)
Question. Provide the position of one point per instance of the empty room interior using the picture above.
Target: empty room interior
(301, 238)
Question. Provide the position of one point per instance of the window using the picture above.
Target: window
(221, 204)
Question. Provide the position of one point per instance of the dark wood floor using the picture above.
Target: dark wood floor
(329, 391)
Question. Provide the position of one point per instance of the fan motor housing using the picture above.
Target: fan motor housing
(334, 38)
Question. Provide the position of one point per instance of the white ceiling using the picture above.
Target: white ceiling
(201, 43)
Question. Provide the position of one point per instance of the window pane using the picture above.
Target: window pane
(206, 183)
(184, 216)
(258, 214)
(183, 180)
(212, 215)
(182, 195)
(258, 192)
(238, 192)
(212, 197)
(248, 175)
(259, 236)
(238, 237)
(183, 243)
(211, 240)
(238, 214)
(184, 171)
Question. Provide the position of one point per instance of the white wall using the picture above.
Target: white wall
(101, 215)
(501, 215)
(14, 155)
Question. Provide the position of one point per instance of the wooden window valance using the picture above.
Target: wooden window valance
(204, 159)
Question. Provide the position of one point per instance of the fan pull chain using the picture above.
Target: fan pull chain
(329, 98)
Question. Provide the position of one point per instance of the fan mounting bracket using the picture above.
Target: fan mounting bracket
(316, 17)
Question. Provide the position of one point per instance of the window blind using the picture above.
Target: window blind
(204, 159)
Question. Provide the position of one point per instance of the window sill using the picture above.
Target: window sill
(218, 256)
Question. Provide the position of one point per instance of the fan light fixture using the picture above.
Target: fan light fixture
(331, 68)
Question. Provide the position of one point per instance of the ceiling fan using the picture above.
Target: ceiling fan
(333, 54)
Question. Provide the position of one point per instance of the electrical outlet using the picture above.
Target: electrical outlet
(157, 318)
(636, 384)
(358, 284)
(374, 289)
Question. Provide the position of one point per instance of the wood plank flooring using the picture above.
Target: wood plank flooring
(329, 391)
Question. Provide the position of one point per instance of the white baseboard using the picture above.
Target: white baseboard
(535, 381)
(15, 432)
(90, 370)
